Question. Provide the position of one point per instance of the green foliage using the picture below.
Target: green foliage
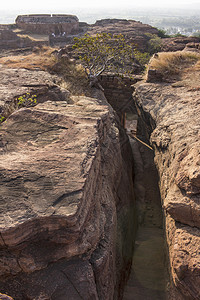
(178, 35)
(154, 43)
(163, 34)
(1, 119)
(107, 52)
(26, 100)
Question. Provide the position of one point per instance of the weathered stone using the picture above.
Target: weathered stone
(66, 202)
(171, 118)
(177, 43)
(17, 82)
(118, 92)
(154, 76)
(135, 32)
(9, 39)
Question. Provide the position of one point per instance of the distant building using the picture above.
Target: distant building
(48, 24)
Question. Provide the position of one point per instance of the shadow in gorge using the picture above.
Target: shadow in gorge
(148, 274)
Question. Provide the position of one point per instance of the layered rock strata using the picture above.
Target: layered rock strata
(177, 43)
(18, 82)
(171, 119)
(66, 202)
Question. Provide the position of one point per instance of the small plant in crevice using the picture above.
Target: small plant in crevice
(26, 100)
(2, 118)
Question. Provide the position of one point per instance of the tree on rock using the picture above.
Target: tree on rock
(107, 52)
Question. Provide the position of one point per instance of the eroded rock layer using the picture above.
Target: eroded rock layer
(66, 202)
(171, 118)
(15, 83)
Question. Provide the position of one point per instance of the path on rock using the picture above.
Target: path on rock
(147, 280)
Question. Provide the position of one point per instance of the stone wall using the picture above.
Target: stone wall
(118, 91)
(47, 24)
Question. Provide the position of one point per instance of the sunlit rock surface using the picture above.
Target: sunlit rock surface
(66, 202)
(171, 116)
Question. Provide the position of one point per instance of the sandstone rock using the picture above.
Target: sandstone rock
(66, 202)
(17, 82)
(135, 32)
(194, 47)
(177, 43)
(8, 39)
(154, 76)
(171, 118)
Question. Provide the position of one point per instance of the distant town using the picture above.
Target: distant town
(173, 22)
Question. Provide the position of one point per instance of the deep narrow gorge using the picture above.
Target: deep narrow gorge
(88, 211)
(166, 261)
(148, 277)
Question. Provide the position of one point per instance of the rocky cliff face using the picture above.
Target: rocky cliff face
(170, 117)
(67, 204)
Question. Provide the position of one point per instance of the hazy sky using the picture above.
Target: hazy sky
(37, 5)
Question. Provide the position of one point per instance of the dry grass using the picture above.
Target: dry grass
(35, 37)
(73, 75)
(40, 59)
(175, 63)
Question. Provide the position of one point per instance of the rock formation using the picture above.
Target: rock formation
(136, 32)
(8, 39)
(67, 203)
(17, 82)
(170, 117)
(177, 43)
